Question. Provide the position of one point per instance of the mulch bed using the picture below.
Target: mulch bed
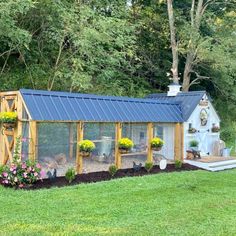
(104, 176)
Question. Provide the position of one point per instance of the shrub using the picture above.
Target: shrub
(112, 170)
(125, 143)
(156, 142)
(148, 166)
(193, 143)
(70, 175)
(8, 117)
(86, 146)
(178, 164)
(1, 169)
(21, 173)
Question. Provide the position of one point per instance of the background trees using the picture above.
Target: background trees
(120, 47)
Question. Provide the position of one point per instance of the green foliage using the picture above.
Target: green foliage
(112, 170)
(178, 164)
(70, 175)
(86, 146)
(193, 143)
(148, 166)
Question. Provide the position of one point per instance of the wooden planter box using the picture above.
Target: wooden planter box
(10, 125)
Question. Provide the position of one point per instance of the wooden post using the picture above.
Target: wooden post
(182, 141)
(79, 158)
(179, 141)
(117, 152)
(71, 141)
(33, 139)
(149, 138)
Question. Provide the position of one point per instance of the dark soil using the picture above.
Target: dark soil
(104, 175)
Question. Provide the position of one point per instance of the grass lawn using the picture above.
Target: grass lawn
(186, 203)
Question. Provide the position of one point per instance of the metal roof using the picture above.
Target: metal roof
(188, 100)
(64, 106)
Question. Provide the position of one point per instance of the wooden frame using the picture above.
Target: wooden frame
(117, 152)
(150, 128)
(79, 158)
(179, 142)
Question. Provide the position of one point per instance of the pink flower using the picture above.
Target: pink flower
(38, 166)
(29, 169)
(22, 155)
(24, 140)
(42, 173)
(4, 174)
(23, 166)
(14, 172)
(35, 174)
(21, 185)
(5, 181)
(25, 175)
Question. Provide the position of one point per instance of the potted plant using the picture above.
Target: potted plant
(8, 119)
(192, 130)
(156, 144)
(125, 144)
(194, 144)
(215, 129)
(86, 147)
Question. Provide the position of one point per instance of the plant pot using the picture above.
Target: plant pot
(123, 151)
(9, 125)
(85, 154)
(215, 130)
(156, 148)
(192, 131)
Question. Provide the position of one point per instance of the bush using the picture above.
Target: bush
(125, 143)
(1, 169)
(112, 170)
(193, 143)
(148, 166)
(86, 146)
(21, 173)
(70, 175)
(178, 164)
(156, 142)
(8, 117)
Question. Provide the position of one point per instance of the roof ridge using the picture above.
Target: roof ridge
(97, 97)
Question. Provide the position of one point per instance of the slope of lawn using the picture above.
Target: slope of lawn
(186, 203)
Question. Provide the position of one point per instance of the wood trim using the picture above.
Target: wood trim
(179, 139)
(149, 138)
(26, 108)
(71, 141)
(79, 158)
(33, 149)
(117, 138)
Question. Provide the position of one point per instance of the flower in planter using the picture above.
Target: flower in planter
(86, 147)
(8, 117)
(125, 144)
(156, 143)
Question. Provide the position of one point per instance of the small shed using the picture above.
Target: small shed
(52, 123)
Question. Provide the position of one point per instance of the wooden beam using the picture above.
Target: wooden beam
(79, 158)
(178, 141)
(33, 139)
(117, 152)
(182, 141)
(149, 138)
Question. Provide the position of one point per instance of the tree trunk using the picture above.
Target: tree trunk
(174, 45)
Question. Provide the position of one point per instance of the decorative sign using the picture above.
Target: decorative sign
(203, 103)
(203, 117)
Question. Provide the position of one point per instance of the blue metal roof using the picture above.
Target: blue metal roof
(64, 106)
(188, 100)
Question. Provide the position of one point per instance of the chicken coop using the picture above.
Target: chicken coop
(51, 124)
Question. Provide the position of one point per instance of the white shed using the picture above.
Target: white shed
(201, 121)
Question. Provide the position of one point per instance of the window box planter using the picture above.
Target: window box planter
(192, 130)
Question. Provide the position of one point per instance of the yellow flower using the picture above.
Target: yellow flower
(8, 117)
(156, 142)
(86, 146)
(125, 143)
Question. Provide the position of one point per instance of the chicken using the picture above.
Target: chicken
(53, 175)
(137, 167)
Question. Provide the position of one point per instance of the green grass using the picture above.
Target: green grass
(186, 203)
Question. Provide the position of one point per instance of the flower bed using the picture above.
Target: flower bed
(105, 175)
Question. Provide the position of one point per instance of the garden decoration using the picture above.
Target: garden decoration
(163, 164)
(86, 147)
(137, 167)
(203, 117)
(125, 145)
(156, 144)
(8, 119)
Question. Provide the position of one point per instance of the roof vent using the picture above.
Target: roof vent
(174, 89)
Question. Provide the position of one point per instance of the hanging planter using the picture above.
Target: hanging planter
(215, 129)
(8, 119)
(125, 145)
(192, 130)
(156, 144)
(86, 147)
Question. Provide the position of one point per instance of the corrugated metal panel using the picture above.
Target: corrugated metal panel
(61, 106)
(188, 100)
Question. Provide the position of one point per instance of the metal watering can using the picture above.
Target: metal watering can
(226, 152)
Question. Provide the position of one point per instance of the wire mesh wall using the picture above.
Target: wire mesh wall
(103, 135)
(57, 146)
(138, 134)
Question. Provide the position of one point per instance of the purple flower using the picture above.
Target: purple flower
(24, 140)
(14, 172)
(25, 175)
(5, 181)
(22, 155)
(38, 166)
(23, 166)
(42, 173)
